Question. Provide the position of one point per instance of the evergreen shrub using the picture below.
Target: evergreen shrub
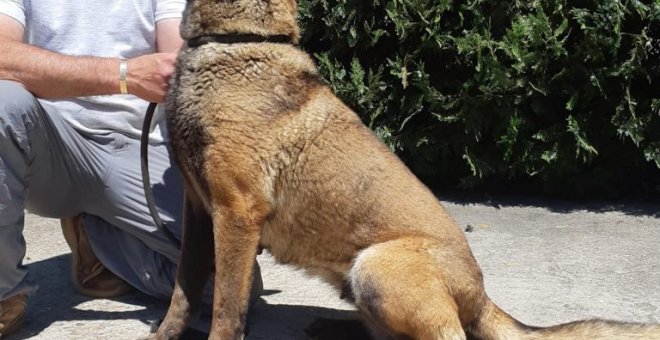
(555, 96)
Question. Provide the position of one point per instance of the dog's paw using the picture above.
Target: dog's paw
(153, 330)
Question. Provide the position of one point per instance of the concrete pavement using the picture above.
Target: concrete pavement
(543, 262)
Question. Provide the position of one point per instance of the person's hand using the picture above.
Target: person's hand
(149, 75)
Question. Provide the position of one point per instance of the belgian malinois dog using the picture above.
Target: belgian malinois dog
(272, 158)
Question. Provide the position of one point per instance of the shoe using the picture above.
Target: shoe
(90, 277)
(12, 311)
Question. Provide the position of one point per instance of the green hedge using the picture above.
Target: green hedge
(556, 96)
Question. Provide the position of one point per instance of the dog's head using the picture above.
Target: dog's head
(261, 17)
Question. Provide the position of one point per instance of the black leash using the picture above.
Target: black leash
(146, 182)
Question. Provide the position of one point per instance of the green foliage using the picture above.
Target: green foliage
(559, 95)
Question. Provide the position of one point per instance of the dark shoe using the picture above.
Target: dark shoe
(89, 276)
(11, 314)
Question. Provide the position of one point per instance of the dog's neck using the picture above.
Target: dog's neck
(233, 21)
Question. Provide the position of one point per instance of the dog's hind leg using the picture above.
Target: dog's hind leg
(399, 288)
(194, 268)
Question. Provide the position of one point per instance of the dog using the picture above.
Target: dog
(272, 158)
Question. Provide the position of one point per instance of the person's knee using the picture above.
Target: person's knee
(14, 97)
(17, 112)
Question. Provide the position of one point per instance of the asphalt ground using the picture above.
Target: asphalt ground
(544, 262)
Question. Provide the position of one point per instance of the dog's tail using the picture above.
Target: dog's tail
(495, 324)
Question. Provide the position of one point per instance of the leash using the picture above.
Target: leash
(146, 182)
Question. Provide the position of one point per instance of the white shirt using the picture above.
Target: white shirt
(100, 28)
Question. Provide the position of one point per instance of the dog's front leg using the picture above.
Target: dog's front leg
(236, 233)
(194, 268)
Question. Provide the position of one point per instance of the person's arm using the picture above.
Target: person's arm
(52, 75)
(168, 38)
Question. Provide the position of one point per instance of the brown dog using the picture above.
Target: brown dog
(272, 158)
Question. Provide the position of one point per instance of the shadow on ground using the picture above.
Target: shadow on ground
(56, 301)
(299, 322)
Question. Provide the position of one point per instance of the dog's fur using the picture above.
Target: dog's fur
(272, 158)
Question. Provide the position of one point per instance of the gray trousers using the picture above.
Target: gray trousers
(52, 170)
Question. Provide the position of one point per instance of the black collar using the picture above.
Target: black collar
(237, 38)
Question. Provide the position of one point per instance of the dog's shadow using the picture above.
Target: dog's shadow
(57, 302)
(304, 322)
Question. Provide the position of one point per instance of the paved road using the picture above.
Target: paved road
(544, 262)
